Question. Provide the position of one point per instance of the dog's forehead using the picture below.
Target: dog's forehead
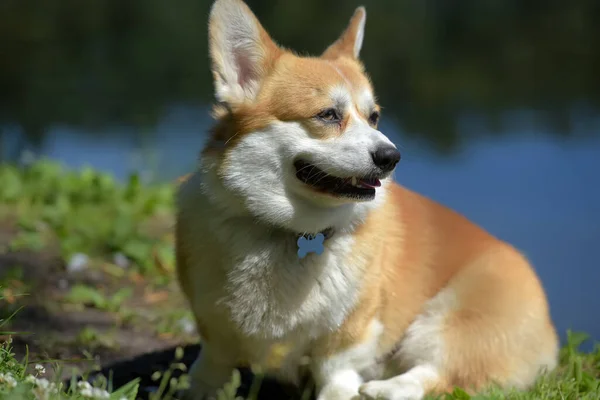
(340, 80)
(355, 84)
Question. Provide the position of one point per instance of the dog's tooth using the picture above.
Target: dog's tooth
(354, 181)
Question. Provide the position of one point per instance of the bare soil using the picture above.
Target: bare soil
(46, 327)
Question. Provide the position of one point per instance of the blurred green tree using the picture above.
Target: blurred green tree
(97, 62)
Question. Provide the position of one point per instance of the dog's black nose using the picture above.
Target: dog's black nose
(386, 157)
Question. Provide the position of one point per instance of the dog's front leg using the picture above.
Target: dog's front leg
(340, 384)
(210, 372)
(339, 358)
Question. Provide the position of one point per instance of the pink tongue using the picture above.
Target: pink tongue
(372, 184)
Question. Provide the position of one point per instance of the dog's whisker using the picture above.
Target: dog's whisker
(231, 138)
(324, 173)
(322, 170)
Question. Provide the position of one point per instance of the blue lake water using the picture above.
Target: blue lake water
(540, 193)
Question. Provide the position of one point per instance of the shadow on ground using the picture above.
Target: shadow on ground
(144, 366)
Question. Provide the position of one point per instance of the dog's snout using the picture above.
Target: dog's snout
(386, 157)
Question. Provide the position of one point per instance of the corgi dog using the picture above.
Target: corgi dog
(406, 298)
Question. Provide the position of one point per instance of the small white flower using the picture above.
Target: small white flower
(8, 380)
(84, 385)
(40, 369)
(78, 262)
(95, 393)
(43, 383)
(121, 260)
(101, 394)
(187, 325)
(30, 379)
(11, 382)
(42, 388)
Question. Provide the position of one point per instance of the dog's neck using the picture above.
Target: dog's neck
(327, 233)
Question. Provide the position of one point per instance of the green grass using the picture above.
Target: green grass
(89, 212)
(83, 294)
(17, 384)
(19, 381)
(86, 212)
(578, 377)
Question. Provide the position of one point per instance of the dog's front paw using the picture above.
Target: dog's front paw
(392, 390)
(338, 393)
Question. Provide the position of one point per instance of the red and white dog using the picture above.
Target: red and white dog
(407, 298)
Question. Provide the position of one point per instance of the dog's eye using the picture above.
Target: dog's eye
(374, 117)
(329, 115)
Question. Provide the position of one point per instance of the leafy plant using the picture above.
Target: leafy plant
(87, 212)
(87, 295)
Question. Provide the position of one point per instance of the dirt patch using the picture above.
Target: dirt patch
(74, 317)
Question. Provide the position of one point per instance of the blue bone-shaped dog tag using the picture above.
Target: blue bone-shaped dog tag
(310, 245)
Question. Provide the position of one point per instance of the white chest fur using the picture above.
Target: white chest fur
(267, 291)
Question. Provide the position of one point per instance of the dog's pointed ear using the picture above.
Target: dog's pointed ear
(351, 40)
(241, 50)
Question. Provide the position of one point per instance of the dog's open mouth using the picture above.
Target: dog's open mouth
(362, 188)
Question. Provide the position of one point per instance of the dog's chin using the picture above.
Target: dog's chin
(327, 188)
